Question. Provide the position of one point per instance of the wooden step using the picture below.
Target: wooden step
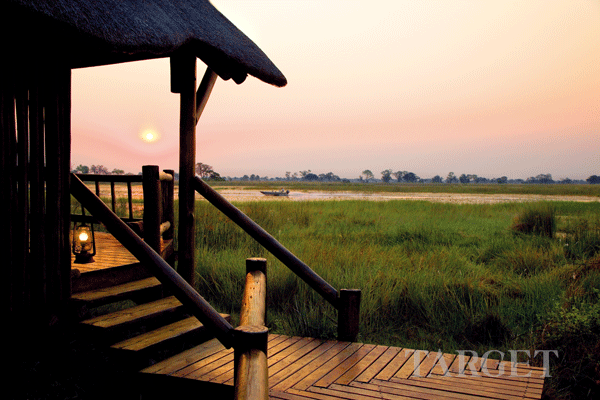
(106, 277)
(154, 312)
(175, 337)
(130, 290)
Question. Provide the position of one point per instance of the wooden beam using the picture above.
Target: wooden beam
(204, 91)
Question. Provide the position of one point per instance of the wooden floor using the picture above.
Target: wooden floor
(306, 368)
(109, 253)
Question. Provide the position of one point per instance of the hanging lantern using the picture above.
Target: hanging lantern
(84, 244)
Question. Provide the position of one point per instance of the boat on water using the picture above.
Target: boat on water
(281, 192)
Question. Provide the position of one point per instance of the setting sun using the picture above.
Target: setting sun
(150, 136)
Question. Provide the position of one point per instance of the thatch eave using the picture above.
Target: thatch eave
(92, 33)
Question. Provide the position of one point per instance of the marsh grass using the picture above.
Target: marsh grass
(432, 275)
(537, 219)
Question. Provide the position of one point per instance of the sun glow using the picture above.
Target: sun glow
(149, 136)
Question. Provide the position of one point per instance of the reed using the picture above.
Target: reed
(433, 276)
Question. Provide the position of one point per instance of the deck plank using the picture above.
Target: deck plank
(306, 365)
(307, 368)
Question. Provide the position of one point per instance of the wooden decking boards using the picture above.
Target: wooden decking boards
(306, 368)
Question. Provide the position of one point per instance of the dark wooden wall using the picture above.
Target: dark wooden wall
(35, 107)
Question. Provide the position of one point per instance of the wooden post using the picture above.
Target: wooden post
(253, 310)
(113, 197)
(130, 200)
(152, 206)
(183, 81)
(168, 212)
(348, 314)
(251, 378)
(250, 355)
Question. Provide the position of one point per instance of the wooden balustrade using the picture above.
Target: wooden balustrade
(112, 179)
(158, 187)
(250, 348)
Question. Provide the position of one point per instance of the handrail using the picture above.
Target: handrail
(302, 270)
(109, 178)
(186, 294)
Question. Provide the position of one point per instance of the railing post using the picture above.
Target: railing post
(250, 363)
(152, 206)
(168, 212)
(250, 355)
(348, 314)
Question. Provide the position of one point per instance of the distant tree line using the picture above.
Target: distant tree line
(207, 172)
(300, 176)
(389, 175)
(99, 170)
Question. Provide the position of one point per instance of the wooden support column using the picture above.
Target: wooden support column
(348, 314)
(183, 81)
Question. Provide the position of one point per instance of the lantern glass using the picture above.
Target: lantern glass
(84, 246)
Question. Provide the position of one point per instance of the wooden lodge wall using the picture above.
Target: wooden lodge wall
(35, 128)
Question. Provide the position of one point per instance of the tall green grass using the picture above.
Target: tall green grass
(433, 275)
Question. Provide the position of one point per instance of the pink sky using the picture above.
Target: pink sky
(474, 87)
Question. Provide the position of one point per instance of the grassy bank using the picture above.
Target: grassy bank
(433, 276)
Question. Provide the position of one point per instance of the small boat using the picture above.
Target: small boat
(281, 192)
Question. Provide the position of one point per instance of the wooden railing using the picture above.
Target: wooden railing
(113, 179)
(186, 294)
(249, 339)
(157, 224)
(346, 301)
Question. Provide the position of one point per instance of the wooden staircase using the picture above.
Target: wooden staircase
(137, 324)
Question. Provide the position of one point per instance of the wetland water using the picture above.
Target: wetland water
(239, 195)
(255, 195)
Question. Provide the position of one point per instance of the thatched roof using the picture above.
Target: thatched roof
(99, 32)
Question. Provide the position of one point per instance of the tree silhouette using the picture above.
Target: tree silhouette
(203, 170)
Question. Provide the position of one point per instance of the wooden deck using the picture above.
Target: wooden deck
(306, 368)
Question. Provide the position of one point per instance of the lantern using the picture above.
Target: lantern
(84, 245)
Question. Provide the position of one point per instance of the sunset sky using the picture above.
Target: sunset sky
(493, 88)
